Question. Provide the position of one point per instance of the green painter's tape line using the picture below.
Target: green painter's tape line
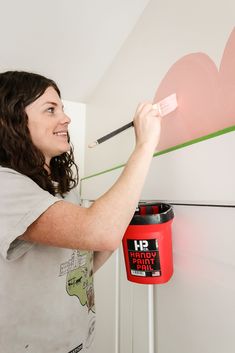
(197, 140)
(171, 149)
(104, 171)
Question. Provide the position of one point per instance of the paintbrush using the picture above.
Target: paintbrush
(164, 107)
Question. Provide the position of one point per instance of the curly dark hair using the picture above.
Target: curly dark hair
(18, 89)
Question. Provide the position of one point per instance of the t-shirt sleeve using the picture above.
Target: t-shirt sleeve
(22, 201)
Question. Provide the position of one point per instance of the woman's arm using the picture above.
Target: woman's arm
(100, 257)
(102, 226)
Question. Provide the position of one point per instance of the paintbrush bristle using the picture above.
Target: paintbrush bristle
(167, 105)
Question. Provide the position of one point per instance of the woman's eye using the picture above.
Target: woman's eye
(51, 110)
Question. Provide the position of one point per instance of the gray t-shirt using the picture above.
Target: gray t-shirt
(46, 293)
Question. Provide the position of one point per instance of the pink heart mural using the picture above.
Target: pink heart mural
(205, 95)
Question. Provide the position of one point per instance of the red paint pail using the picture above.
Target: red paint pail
(147, 244)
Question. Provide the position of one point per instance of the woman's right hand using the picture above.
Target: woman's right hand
(147, 123)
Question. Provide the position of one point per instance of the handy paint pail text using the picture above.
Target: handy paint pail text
(147, 244)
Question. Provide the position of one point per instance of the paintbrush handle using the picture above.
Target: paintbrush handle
(115, 132)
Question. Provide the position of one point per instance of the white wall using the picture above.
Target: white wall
(194, 312)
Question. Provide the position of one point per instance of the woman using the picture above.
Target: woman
(47, 239)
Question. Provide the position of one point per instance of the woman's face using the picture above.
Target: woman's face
(48, 124)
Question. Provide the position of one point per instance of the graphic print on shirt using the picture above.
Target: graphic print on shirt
(79, 280)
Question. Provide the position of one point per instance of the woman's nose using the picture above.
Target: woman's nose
(66, 119)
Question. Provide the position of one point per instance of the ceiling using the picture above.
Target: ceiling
(70, 41)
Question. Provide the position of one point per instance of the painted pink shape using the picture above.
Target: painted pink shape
(205, 95)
